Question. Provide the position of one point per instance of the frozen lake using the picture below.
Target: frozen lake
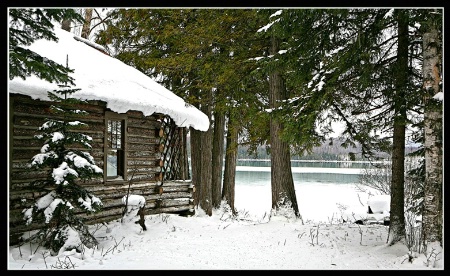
(323, 194)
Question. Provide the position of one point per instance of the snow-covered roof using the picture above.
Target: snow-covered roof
(105, 78)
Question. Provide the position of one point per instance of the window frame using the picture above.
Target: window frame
(112, 116)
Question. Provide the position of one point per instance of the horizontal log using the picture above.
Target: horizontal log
(142, 169)
(142, 163)
(134, 114)
(143, 139)
(44, 112)
(148, 123)
(106, 187)
(35, 143)
(175, 202)
(150, 177)
(106, 219)
(141, 131)
(19, 164)
(178, 183)
(18, 228)
(142, 147)
(110, 197)
(22, 175)
(26, 153)
(151, 153)
(25, 104)
(33, 121)
(172, 209)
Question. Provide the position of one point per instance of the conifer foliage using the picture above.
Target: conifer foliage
(62, 198)
(28, 25)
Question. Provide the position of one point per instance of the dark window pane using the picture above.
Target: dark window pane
(114, 134)
(115, 160)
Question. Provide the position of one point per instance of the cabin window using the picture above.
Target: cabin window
(115, 158)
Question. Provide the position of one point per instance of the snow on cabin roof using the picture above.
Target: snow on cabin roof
(105, 78)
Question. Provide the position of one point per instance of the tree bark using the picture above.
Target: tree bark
(282, 183)
(217, 158)
(206, 137)
(397, 215)
(86, 30)
(432, 216)
(229, 178)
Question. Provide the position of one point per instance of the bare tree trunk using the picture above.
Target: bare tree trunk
(283, 190)
(432, 216)
(184, 156)
(205, 191)
(86, 30)
(217, 157)
(229, 178)
(196, 163)
(397, 216)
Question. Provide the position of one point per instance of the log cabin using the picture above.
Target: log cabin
(138, 130)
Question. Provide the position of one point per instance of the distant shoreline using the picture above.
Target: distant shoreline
(304, 170)
(321, 161)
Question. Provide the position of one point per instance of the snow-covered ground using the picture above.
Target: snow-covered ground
(248, 242)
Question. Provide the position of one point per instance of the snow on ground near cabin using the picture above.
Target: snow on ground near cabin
(247, 242)
(196, 243)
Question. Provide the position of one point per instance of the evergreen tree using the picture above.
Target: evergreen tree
(282, 184)
(382, 87)
(61, 197)
(26, 26)
(357, 66)
(196, 51)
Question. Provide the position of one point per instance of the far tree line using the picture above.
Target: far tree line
(328, 150)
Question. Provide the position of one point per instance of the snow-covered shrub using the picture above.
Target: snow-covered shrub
(61, 198)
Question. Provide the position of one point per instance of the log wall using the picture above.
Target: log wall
(144, 152)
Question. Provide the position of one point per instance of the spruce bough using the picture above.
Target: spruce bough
(61, 197)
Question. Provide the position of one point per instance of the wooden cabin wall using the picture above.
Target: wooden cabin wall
(143, 149)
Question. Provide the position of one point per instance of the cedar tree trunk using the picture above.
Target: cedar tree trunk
(217, 157)
(229, 179)
(283, 190)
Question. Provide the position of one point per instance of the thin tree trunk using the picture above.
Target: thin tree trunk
(184, 156)
(85, 31)
(196, 163)
(283, 190)
(397, 215)
(432, 216)
(229, 178)
(217, 158)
